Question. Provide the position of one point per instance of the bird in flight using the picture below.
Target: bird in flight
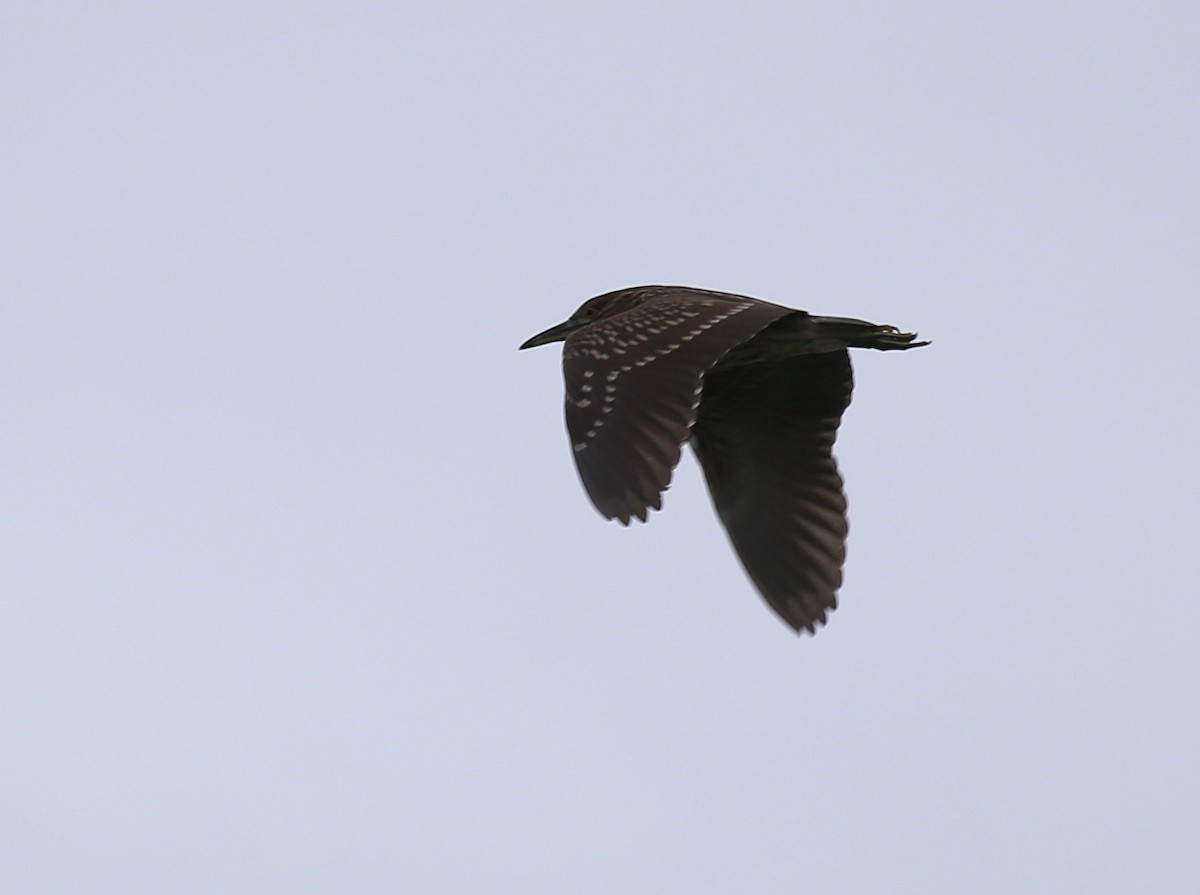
(757, 389)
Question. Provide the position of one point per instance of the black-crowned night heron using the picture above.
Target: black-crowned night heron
(758, 389)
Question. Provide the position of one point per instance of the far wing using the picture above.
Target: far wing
(764, 437)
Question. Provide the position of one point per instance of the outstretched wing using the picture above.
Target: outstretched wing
(633, 384)
(764, 437)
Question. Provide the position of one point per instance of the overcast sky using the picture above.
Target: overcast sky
(299, 591)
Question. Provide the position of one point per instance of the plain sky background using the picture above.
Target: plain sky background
(299, 591)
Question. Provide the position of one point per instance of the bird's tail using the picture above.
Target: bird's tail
(861, 334)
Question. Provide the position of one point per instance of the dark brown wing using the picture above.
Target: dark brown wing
(764, 435)
(633, 385)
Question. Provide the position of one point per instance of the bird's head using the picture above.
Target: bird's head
(607, 305)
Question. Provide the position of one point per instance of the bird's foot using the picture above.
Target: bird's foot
(888, 338)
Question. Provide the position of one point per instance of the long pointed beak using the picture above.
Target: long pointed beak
(553, 334)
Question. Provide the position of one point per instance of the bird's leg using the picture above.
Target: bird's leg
(862, 334)
(888, 338)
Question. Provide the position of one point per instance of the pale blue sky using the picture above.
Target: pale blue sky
(298, 588)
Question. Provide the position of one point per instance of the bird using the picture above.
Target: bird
(758, 391)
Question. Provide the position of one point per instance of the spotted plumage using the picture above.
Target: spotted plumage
(757, 388)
